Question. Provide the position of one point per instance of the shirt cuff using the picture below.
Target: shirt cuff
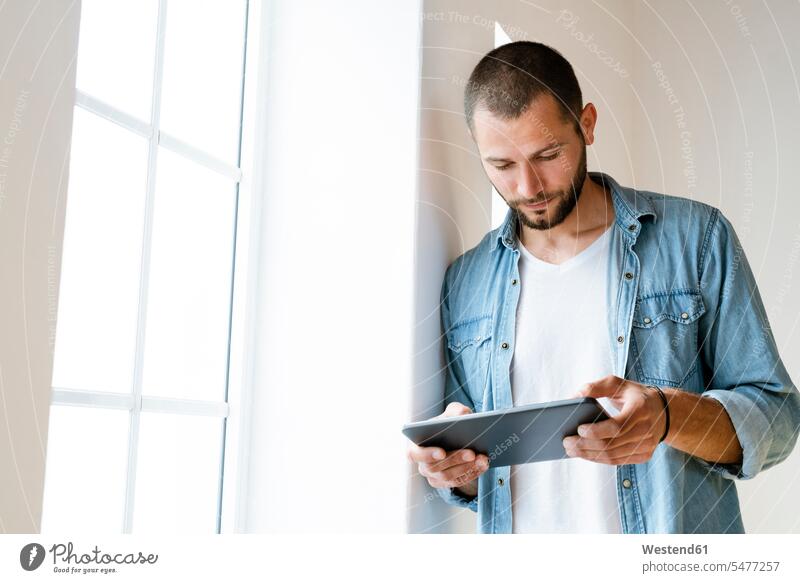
(450, 496)
(753, 430)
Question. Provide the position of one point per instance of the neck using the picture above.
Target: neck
(592, 215)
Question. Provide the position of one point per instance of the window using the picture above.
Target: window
(499, 206)
(141, 381)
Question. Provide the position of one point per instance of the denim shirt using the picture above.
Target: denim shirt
(684, 312)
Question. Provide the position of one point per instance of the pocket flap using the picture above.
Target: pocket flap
(469, 331)
(683, 307)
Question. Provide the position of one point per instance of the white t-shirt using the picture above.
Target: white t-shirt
(562, 342)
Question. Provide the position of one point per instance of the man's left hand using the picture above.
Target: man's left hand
(631, 436)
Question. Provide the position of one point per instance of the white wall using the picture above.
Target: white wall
(453, 211)
(729, 65)
(38, 43)
(333, 331)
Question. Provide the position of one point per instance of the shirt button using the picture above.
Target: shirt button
(628, 275)
(504, 345)
(513, 282)
(620, 339)
(626, 483)
(500, 481)
(632, 227)
(647, 320)
(684, 315)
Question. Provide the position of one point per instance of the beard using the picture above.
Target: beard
(561, 203)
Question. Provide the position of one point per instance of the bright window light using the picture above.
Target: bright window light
(143, 341)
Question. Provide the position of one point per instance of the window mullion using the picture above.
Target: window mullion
(151, 404)
(184, 406)
(133, 439)
(112, 114)
(98, 399)
(198, 156)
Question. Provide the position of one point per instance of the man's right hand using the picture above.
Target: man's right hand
(452, 469)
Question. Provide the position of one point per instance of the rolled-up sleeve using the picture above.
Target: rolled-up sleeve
(453, 390)
(452, 497)
(742, 367)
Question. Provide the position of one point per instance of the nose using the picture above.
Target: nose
(529, 184)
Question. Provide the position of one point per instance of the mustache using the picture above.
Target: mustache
(548, 196)
(521, 201)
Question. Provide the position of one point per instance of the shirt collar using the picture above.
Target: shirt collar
(629, 206)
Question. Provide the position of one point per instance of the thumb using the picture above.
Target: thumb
(606, 387)
(455, 409)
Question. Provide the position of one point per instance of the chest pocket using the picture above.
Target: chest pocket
(664, 340)
(470, 347)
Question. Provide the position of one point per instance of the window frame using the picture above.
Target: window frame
(232, 474)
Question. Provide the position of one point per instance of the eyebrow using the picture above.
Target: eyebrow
(550, 147)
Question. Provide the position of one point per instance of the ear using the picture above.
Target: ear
(587, 123)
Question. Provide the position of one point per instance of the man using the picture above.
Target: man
(641, 300)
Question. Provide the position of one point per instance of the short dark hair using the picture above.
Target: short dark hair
(507, 79)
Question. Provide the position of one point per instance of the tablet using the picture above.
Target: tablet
(520, 435)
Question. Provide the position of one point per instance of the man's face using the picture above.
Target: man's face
(537, 162)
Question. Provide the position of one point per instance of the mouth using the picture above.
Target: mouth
(539, 206)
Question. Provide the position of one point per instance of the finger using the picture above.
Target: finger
(632, 459)
(629, 449)
(419, 454)
(461, 474)
(455, 409)
(634, 448)
(613, 427)
(455, 457)
(636, 434)
(625, 455)
(608, 386)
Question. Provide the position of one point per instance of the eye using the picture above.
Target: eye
(551, 157)
(504, 166)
